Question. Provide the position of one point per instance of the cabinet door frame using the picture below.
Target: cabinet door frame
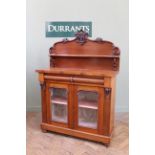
(49, 108)
(99, 129)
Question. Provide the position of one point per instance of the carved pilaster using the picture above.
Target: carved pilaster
(51, 59)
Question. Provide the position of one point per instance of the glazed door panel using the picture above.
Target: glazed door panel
(75, 106)
(58, 103)
(87, 108)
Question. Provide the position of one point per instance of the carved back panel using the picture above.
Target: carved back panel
(84, 53)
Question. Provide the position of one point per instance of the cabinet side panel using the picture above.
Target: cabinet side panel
(113, 94)
(43, 97)
(43, 103)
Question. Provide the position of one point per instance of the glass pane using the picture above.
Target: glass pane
(59, 104)
(87, 109)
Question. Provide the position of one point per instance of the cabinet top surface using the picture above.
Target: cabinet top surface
(78, 72)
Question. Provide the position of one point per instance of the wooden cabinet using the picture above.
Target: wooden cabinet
(78, 90)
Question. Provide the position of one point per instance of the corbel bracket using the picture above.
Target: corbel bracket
(107, 91)
(42, 85)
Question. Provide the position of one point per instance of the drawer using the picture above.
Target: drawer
(75, 79)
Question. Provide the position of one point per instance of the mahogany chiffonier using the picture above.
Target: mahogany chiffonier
(78, 89)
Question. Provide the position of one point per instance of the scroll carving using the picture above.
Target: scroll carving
(64, 40)
(116, 51)
(81, 36)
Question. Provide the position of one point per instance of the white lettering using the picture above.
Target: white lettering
(86, 29)
(72, 29)
(50, 28)
(67, 29)
(77, 28)
(61, 28)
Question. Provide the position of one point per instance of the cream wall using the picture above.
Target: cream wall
(109, 21)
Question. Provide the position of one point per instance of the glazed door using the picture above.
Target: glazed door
(58, 103)
(88, 101)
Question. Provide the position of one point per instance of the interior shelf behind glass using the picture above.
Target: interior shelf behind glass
(88, 104)
(59, 100)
